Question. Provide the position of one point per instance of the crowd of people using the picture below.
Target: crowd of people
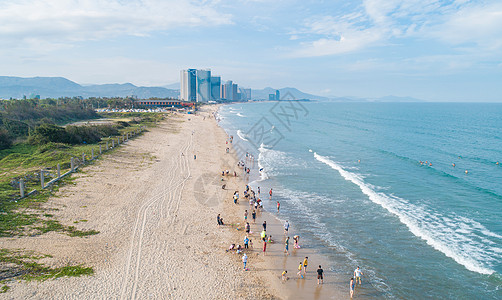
(250, 215)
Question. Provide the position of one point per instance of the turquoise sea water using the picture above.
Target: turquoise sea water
(349, 178)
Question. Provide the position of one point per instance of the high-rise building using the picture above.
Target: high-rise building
(228, 92)
(235, 95)
(277, 95)
(196, 85)
(188, 81)
(203, 85)
(216, 88)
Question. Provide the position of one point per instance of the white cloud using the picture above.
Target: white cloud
(481, 25)
(376, 22)
(74, 20)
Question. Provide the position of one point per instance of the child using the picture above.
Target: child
(284, 275)
(300, 270)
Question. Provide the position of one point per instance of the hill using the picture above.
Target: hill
(55, 87)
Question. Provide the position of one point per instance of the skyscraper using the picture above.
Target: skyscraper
(203, 85)
(215, 88)
(196, 85)
(188, 81)
(277, 95)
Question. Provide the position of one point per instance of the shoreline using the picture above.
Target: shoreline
(271, 266)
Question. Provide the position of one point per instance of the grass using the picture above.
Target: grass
(23, 265)
(24, 161)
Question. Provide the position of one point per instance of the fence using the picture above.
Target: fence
(75, 163)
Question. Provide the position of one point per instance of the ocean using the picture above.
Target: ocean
(410, 192)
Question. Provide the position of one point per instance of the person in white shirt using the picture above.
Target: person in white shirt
(357, 274)
(245, 260)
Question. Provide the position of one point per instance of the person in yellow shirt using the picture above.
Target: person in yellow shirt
(300, 270)
(305, 263)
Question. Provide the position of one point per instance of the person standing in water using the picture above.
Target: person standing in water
(351, 285)
(278, 206)
(286, 246)
(305, 264)
(270, 193)
(320, 275)
(357, 275)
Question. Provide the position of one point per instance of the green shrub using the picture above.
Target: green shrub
(5, 139)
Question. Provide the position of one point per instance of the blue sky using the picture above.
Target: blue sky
(433, 50)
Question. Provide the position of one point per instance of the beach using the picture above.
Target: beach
(154, 202)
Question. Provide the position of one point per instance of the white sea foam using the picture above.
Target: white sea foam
(241, 115)
(465, 246)
(271, 160)
(261, 162)
(241, 135)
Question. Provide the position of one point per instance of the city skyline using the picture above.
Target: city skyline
(431, 50)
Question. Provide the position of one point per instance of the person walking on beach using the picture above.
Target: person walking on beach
(351, 284)
(286, 227)
(278, 206)
(248, 227)
(305, 263)
(300, 267)
(320, 275)
(253, 214)
(245, 215)
(264, 225)
(258, 190)
(218, 219)
(246, 242)
(245, 261)
(286, 246)
(270, 193)
(357, 275)
(264, 247)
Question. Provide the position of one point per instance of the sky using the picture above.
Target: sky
(427, 49)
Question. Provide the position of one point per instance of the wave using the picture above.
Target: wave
(241, 115)
(261, 157)
(457, 237)
(241, 135)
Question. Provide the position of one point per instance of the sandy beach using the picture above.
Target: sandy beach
(155, 205)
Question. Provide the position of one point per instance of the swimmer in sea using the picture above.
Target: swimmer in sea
(466, 171)
(453, 164)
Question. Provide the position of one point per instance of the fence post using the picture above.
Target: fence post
(42, 178)
(72, 165)
(113, 143)
(92, 154)
(100, 149)
(21, 187)
(83, 157)
(106, 146)
(59, 170)
(118, 140)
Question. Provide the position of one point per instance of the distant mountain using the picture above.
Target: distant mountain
(54, 87)
(172, 86)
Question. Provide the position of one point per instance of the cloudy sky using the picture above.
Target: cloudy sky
(428, 49)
